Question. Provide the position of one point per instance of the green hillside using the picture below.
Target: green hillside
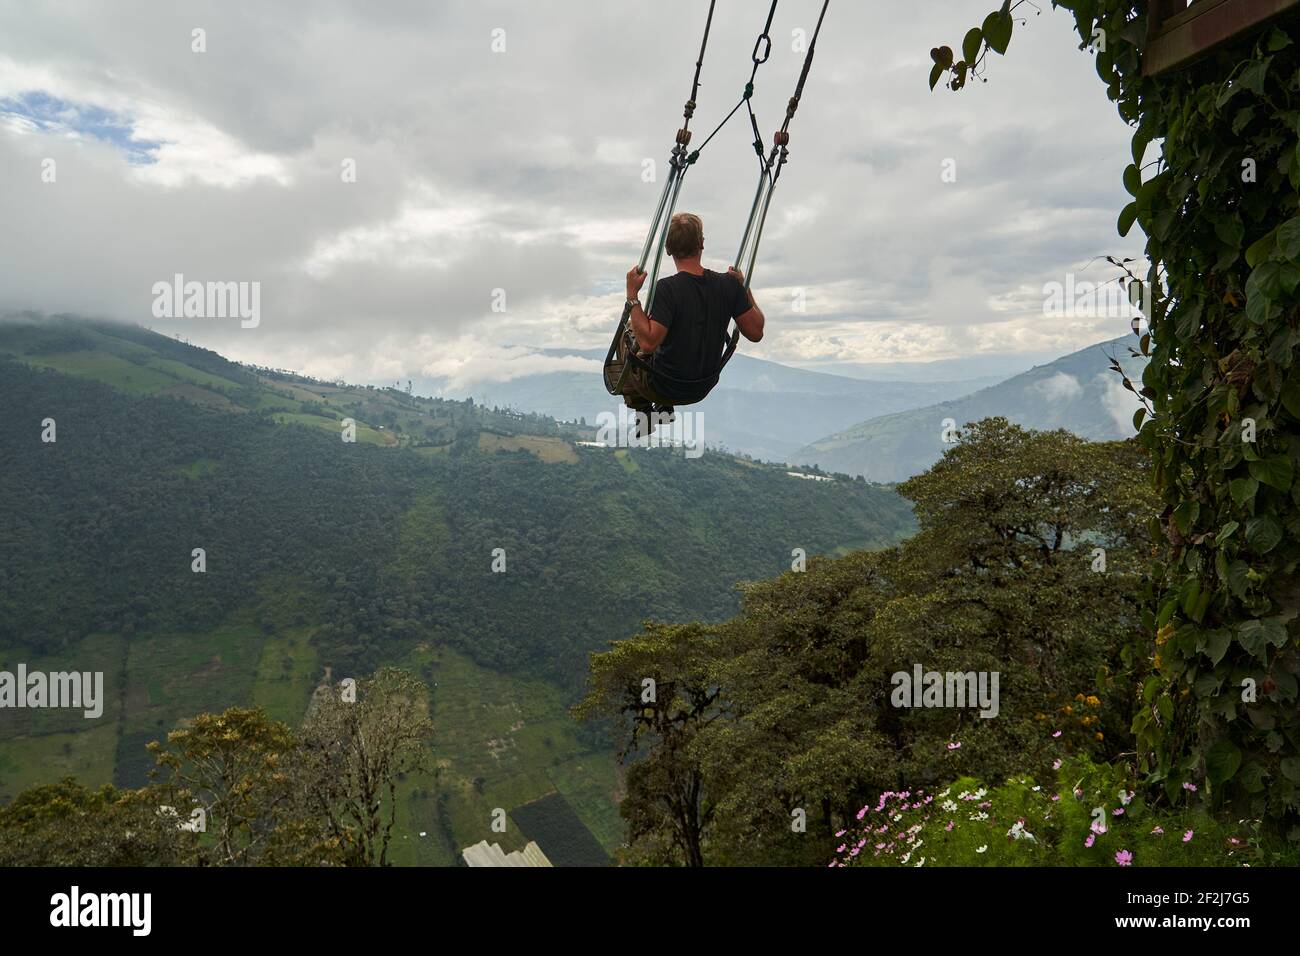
(1077, 392)
(326, 557)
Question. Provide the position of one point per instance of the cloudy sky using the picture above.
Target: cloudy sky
(521, 169)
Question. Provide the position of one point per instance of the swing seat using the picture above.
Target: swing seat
(624, 361)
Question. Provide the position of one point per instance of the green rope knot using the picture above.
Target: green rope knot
(693, 157)
(749, 90)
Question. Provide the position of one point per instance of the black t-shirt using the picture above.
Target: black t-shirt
(696, 310)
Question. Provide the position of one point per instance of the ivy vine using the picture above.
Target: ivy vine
(1217, 665)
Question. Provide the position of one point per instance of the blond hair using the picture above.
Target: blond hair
(685, 236)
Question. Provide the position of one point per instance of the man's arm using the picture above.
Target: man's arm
(649, 333)
(750, 322)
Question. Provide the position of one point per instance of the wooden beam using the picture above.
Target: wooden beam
(1178, 32)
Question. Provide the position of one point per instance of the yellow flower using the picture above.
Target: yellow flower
(1164, 634)
(1094, 700)
(1100, 735)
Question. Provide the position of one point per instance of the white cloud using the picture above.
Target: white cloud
(522, 171)
(1119, 402)
(1059, 388)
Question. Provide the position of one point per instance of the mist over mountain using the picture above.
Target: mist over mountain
(1077, 392)
(760, 408)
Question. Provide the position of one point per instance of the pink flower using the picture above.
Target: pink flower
(1092, 838)
(1158, 830)
(956, 746)
(1123, 857)
(1056, 733)
(843, 846)
(1234, 841)
(862, 813)
(1055, 797)
(1056, 764)
(841, 833)
(1187, 837)
(1190, 786)
(949, 826)
(1117, 812)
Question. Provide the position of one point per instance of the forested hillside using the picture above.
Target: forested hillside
(325, 554)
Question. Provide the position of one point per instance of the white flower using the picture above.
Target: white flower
(1018, 832)
(922, 863)
(946, 792)
(905, 857)
(979, 816)
(981, 849)
(949, 805)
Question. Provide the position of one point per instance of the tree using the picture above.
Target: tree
(66, 824)
(1221, 213)
(658, 686)
(353, 752)
(234, 766)
(769, 732)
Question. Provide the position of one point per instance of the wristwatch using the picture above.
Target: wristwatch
(631, 303)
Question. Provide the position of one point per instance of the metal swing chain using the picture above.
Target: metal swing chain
(680, 161)
(771, 167)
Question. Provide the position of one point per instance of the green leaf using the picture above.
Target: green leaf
(1291, 399)
(1217, 645)
(1127, 217)
(1207, 685)
(1261, 248)
(1138, 416)
(1226, 532)
(1230, 230)
(1263, 533)
(1222, 761)
(1290, 767)
(935, 73)
(997, 30)
(1166, 708)
(1132, 180)
(1185, 515)
(1265, 280)
(1274, 472)
(1238, 578)
(1252, 636)
(970, 47)
(1242, 490)
(1288, 238)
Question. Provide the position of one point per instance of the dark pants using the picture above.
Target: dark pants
(638, 387)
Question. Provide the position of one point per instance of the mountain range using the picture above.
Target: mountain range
(1077, 392)
(204, 535)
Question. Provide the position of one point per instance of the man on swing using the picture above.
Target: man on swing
(682, 342)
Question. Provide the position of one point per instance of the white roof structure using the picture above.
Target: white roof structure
(485, 854)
